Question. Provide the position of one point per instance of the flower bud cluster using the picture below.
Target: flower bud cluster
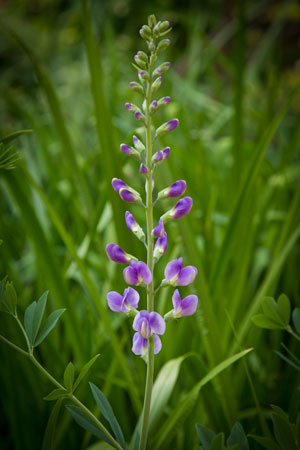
(148, 324)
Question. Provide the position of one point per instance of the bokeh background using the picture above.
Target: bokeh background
(65, 72)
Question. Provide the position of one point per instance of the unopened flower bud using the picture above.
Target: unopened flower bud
(152, 185)
(132, 108)
(182, 207)
(167, 127)
(156, 32)
(164, 101)
(138, 144)
(143, 56)
(156, 85)
(134, 227)
(151, 21)
(129, 195)
(163, 45)
(136, 87)
(140, 62)
(129, 151)
(160, 247)
(163, 26)
(151, 47)
(161, 155)
(153, 106)
(175, 190)
(143, 76)
(143, 169)
(139, 116)
(118, 255)
(117, 184)
(159, 230)
(146, 32)
(161, 69)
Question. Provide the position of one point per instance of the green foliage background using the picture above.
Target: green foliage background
(65, 72)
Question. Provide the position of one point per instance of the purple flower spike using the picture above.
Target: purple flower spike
(117, 254)
(175, 190)
(143, 169)
(119, 303)
(160, 247)
(118, 184)
(140, 345)
(159, 230)
(185, 307)
(182, 208)
(137, 273)
(127, 196)
(178, 276)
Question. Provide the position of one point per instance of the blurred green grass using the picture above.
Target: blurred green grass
(233, 84)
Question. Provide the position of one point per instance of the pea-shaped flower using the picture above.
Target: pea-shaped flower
(175, 190)
(125, 303)
(137, 273)
(182, 207)
(117, 254)
(147, 324)
(160, 247)
(184, 307)
(159, 230)
(176, 275)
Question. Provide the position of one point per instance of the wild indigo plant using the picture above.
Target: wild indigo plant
(148, 324)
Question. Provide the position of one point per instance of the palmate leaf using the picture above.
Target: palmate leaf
(262, 321)
(205, 435)
(105, 408)
(265, 442)
(238, 437)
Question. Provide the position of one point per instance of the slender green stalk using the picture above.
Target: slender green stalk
(24, 334)
(150, 263)
(290, 330)
(60, 386)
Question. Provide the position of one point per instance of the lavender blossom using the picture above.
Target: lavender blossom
(138, 144)
(129, 151)
(175, 190)
(176, 275)
(166, 127)
(136, 87)
(123, 303)
(147, 324)
(182, 207)
(161, 155)
(184, 307)
(137, 273)
(117, 184)
(117, 254)
(143, 169)
(162, 69)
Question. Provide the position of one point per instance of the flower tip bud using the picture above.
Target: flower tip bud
(128, 106)
(172, 124)
(126, 149)
(117, 184)
(143, 169)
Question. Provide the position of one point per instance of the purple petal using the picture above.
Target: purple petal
(143, 168)
(160, 246)
(138, 115)
(117, 184)
(126, 149)
(116, 254)
(189, 305)
(176, 300)
(157, 344)
(128, 106)
(142, 316)
(157, 323)
(114, 300)
(159, 230)
(131, 297)
(127, 195)
(186, 276)
(130, 275)
(173, 268)
(144, 272)
(139, 344)
(176, 189)
(130, 221)
(182, 207)
(158, 156)
(172, 124)
(167, 100)
(166, 152)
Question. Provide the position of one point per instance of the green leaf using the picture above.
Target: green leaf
(48, 326)
(284, 308)
(238, 437)
(49, 436)
(298, 429)
(280, 412)
(69, 377)
(296, 319)
(84, 371)
(218, 442)
(163, 387)
(262, 321)
(190, 398)
(86, 422)
(8, 297)
(270, 309)
(136, 441)
(100, 446)
(56, 394)
(105, 408)
(13, 136)
(33, 317)
(205, 435)
(265, 442)
(284, 432)
(287, 360)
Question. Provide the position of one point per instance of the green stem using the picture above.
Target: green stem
(150, 263)
(60, 386)
(290, 330)
(30, 350)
